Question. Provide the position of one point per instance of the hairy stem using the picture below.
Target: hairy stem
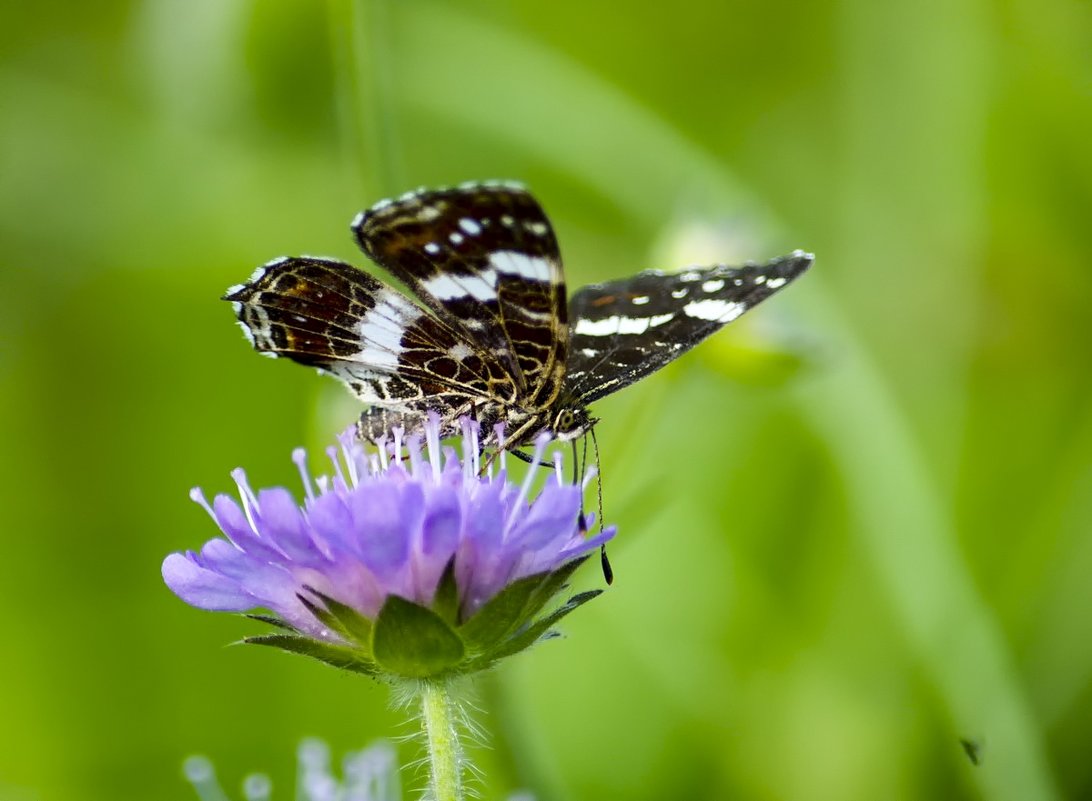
(438, 714)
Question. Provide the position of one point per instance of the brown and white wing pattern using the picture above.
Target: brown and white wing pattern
(485, 330)
(623, 330)
(388, 351)
(484, 259)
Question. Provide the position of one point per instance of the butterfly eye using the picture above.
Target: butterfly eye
(565, 421)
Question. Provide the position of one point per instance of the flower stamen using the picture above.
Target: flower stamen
(198, 497)
(339, 477)
(413, 447)
(432, 438)
(541, 441)
(396, 455)
(381, 452)
(349, 452)
(299, 456)
(498, 431)
(247, 496)
(589, 474)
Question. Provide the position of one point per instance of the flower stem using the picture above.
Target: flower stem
(445, 757)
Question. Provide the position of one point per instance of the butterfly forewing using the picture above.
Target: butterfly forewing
(623, 330)
(485, 260)
(330, 315)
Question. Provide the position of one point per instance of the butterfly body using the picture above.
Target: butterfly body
(491, 334)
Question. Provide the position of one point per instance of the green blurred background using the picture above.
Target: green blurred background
(854, 526)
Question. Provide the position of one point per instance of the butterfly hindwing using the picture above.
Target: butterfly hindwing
(623, 330)
(483, 258)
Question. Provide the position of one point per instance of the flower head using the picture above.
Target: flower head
(402, 562)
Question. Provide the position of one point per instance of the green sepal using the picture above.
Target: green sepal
(272, 620)
(445, 602)
(502, 614)
(513, 607)
(338, 656)
(528, 636)
(554, 583)
(323, 616)
(412, 641)
(342, 618)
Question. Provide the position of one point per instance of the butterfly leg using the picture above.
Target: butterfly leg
(523, 457)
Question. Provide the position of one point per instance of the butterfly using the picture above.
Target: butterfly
(487, 330)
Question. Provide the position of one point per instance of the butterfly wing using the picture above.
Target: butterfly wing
(624, 330)
(483, 258)
(330, 315)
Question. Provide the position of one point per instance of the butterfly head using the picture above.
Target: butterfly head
(571, 422)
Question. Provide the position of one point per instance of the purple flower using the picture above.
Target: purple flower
(415, 564)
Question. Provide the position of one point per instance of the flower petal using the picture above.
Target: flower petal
(443, 522)
(234, 523)
(204, 588)
(381, 538)
(333, 522)
(281, 522)
(269, 585)
(440, 530)
(552, 517)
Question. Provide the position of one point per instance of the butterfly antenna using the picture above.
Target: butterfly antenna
(608, 571)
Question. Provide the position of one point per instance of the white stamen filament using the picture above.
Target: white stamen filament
(464, 424)
(246, 494)
(351, 453)
(432, 434)
(498, 431)
(475, 448)
(299, 456)
(381, 452)
(396, 456)
(588, 476)
(338, 475)
(413, 446)
(198, 497)
(557, 468)
(541, 441)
